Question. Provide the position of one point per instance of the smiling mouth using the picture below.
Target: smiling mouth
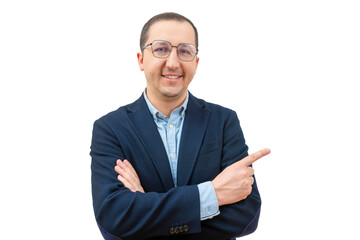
(172, 76)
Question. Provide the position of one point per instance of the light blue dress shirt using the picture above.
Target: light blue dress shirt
(170, 131)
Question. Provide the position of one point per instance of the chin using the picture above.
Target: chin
(171, 93)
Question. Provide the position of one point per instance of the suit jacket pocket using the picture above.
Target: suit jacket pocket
(209, 147)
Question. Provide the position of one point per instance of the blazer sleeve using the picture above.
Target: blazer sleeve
(122, 214)
(241, 218)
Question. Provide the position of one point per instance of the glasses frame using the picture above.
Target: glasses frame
(177, 50)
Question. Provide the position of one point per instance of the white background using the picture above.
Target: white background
(290, 69)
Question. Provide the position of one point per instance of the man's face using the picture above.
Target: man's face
(169, 78)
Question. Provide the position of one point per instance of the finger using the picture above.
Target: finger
(252, 181)
(131, 175)
(118, 162)
(131, 170)
(125, 174)
(126, 183)
(247, 161)
(251, 171)
(133, 186)
(117, 169)
(248, 192)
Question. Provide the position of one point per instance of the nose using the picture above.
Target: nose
(173, 61)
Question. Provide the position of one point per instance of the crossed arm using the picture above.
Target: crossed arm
(233, 184)
(129, 214)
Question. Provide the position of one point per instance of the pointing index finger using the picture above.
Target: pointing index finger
(247, 161)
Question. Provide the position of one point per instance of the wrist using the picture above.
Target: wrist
(218, 194)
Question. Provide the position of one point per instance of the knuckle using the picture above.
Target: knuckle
(249, 181)
(253, 157)
(247, 192)
(242, 173)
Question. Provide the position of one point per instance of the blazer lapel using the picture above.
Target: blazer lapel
(192, 135)
(146, 129)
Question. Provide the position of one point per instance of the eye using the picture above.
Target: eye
(161, 49)
(185, 52)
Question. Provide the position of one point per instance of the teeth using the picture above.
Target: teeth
(172, 76)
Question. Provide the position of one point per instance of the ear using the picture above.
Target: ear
(197, 63)
(140, 61)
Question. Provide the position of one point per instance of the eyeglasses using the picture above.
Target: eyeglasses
(162, 49)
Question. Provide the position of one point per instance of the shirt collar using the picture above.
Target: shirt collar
(157, 114)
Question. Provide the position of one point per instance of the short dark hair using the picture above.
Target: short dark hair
(165, 16)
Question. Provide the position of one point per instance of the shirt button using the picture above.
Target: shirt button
(171, 155)
(171, 126)
(158, 115)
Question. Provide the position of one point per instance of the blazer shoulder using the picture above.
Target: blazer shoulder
(216, 108)
(121, 113)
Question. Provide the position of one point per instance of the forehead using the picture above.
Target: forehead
(173, 31)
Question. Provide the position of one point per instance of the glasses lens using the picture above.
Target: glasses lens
(161, 49)
(186, 51)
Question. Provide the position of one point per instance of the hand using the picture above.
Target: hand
(235, 182)
(128, 176)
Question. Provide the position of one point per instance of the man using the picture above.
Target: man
(167, 166)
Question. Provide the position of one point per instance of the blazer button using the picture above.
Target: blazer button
(171, 230)
(186, 228)
(176, 230)
(181, 229)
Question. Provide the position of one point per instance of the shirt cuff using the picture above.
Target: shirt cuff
(209, 206)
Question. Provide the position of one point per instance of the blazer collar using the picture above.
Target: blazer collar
(192, 134)
(145, 127)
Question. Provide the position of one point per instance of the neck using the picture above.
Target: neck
(166, 104)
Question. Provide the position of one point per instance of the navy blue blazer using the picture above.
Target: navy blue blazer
(211, 140)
